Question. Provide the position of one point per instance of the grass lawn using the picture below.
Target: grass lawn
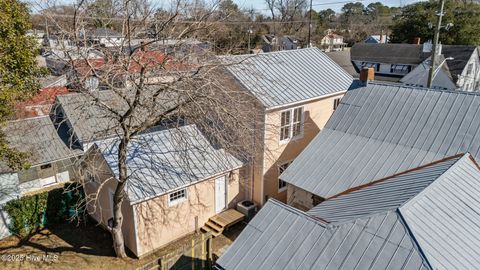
(84, 247)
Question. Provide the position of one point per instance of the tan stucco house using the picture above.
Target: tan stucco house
(294, 92)
(177, 181)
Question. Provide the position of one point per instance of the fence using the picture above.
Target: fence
(195, 254)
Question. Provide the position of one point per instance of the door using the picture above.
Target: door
(220, 194)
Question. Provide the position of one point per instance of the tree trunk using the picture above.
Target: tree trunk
(117, 233)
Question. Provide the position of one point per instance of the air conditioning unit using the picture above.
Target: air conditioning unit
(248, 208)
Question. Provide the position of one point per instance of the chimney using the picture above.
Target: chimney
(416, 40)
(367, 75)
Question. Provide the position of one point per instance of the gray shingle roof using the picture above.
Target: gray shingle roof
(342, 58)
(285, 77)
(388, 53)
(164, 160)
(439, 204)
(281, 237)
(39, 138)
(380, 130)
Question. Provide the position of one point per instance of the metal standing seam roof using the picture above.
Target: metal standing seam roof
(381, 130)
(381, 195)
(284, 77)
(439, 204)
(39, 138)
(282, 237)
(165, 160)
(427, 218)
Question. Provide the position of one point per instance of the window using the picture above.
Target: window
(297, 122)
(46, 166)
(285, 126)
(291, 124)
(282, 185)
(177, 197)
(400, 69)
(336, 102)
(469, 68)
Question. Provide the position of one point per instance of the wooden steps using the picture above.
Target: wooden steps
(218, 223)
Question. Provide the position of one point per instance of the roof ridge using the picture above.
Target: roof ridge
(287, 207)
(474, 93)
(268, 53)
(360, 187)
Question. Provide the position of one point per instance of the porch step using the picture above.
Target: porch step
(218, 223)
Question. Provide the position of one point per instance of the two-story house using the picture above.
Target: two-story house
(295, 92)
(332, 42)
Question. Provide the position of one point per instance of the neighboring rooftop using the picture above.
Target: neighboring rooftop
(425, 218)
(105, 32)
(39, 138)
(40, 104)
(282, 237)
(164, 160)
(380, 130)
(461, 55)
(439, 204)
(342, 58)
(388, 53)
(419, 75)
(285, 77)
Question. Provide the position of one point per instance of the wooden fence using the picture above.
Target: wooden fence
(195, 255)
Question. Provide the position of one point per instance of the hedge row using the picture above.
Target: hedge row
(30, 213)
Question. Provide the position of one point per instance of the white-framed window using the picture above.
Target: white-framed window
(469, 68)
(336, 102)
(400, 69)
(177, 196)
(291, 124)
(282, 185)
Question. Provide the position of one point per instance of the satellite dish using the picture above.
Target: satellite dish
(448, 26)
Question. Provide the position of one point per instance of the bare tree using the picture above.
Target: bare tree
(166, 80)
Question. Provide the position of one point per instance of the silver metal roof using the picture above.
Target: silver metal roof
(445, 218)
(282, 237)
(89, 120)
(39, 138)
(284, 77)
(380, 130)
(385, 194)
(424, 218)
(164, 160)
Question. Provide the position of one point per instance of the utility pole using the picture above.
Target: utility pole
(435, 44)
(310, 25)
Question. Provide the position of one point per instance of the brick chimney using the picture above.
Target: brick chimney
(367, 75)
(416, 40)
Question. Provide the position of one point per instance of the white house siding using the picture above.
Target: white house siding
(470, 81)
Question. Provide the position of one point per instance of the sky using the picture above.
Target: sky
(324, 4)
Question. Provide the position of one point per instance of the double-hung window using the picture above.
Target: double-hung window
(291, 124)
(282, 185)
(177, 197)
(400, 69)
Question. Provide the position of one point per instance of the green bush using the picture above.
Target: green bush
(30, 213)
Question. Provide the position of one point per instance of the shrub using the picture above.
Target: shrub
(28, 214)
